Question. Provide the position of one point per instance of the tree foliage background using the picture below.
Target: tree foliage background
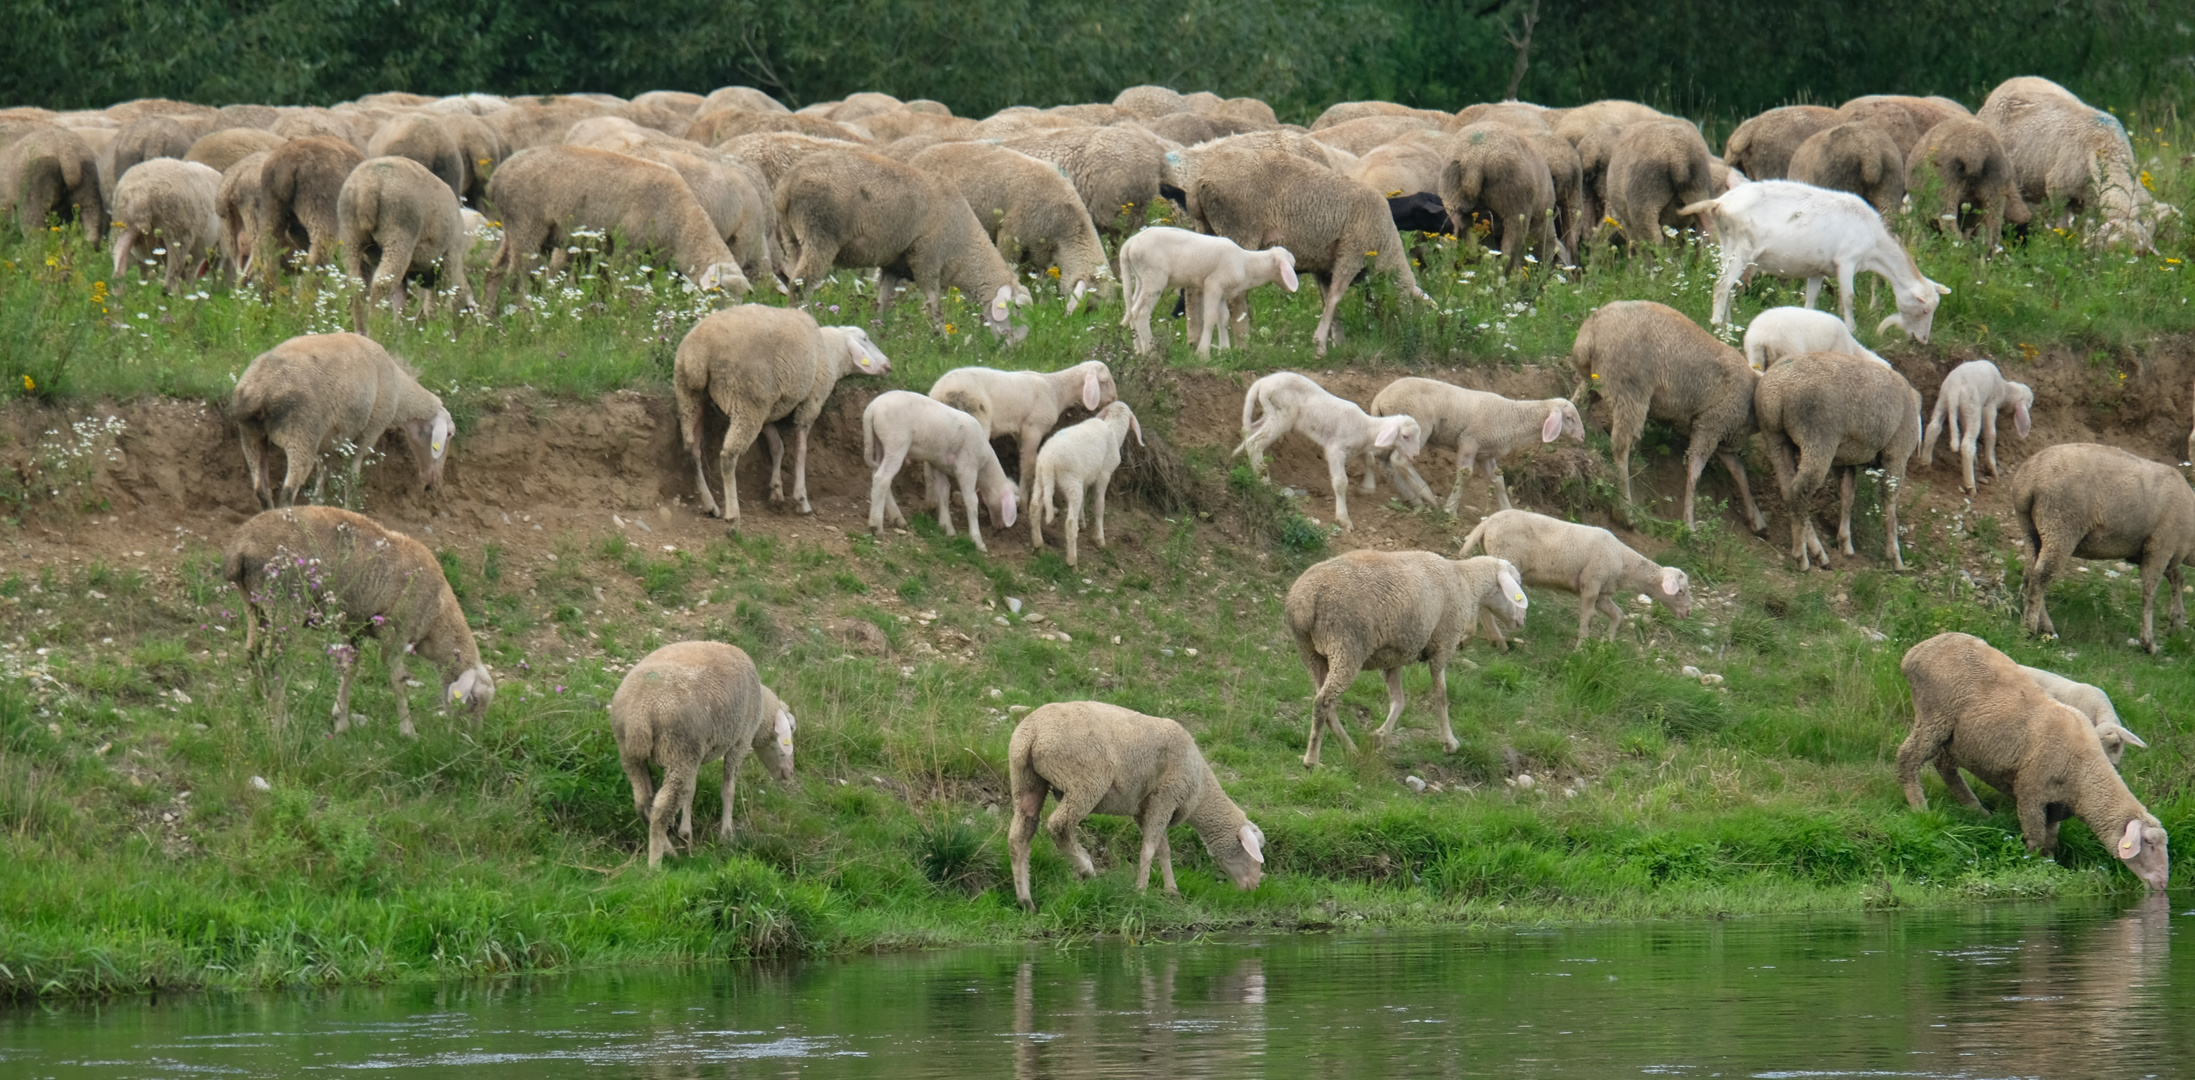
(1705, 57)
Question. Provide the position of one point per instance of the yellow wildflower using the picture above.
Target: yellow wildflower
(1054, 271)
(949, 328)
(2146, 181)
(1596, 375)
(1371, 254)
(29, 385)
(2172, 260)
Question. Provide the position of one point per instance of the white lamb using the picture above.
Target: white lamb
(901, 424)
(1291, 402)
(1216, 271)
(1482, 426)
(1780, 333)
(1970, 399)
(1794, 230)
(1081, 458)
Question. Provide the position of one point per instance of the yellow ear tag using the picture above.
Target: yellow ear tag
(2124, 847)
(438, 446)
(1519, 598)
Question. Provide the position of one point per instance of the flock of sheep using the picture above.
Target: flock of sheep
(733, 190)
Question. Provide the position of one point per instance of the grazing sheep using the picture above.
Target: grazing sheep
(1581, 559)
(221, 149)
(423, 138)
(307, 123)
(725, 124)
(2063, 150)
(1567, 170)
(1104, 759)
(1025, 404)
(738, 97)
(1367, 133)
(893, 126)
(852, 208)
(1081, 458)
(1407, 166)
(1657, 173)
(1114, 169)
(1029, 209)
(1150, 102)
(1860, 158)
(950, 444)
(1386, 610)
(546, 193)
(1837, 412)
(1481, 426)
(1648, 360)
(2092, 703)
(616, 133)
(772, 153)
(1904, 118)
(1974, 709)
(1970, 399)
(300, 184)
(1761, 148)
(2086, 501)
(313, 392)
(759, 365)
(1979, 193)
(385, 585)
(1292, 403)
(1216, 273)
(50, 171)
(398, 221)
(1793, 230)
(735, 197)
(1492, 171)
(1779, 333)
(682, 706)
(237, 204)
(179, 203)
(144, 138)
(1344, 111)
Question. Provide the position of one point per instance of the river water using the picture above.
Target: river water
(2016, 991)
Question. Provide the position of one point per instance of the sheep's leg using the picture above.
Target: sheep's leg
(1337, 283)
(1336, 680)
(1736, 466)
(731, 785)
(1153, 825)
(1027, 806)
(1813, 291)
(1805, 480)
(736, 442)
(1847, 483)
(1487, 623)
(1607, 606)
(1166, 863)
(1030, 441)
(1893, 479)
(1726, 283)
(395, 657)
(302, 460)
(1844, 298)
(1466, 457)
(880, 487)
(1587, 597)
(2050, 561)
(1139, 317)
(970, 503)
(1337, 473)
(1626, 421)
(1969, 433)
(2034, 819)
(2179, 598)
(1072, 807)
(939, 493)
(1956, 784)
(1211, 307)
(777, 461)
(1438, 662)
(1501, 485)
(800, 468)
(1073, 495)
(255, 460)
(1695, 463)
(1097, 530)
(346, 668)
(2153, 571)
(636, 771)
(677, 790)
(1371, 471)
(1395, 701)
(1989, 442)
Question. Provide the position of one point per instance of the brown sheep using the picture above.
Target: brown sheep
(173, 206)
(49, 171)
(424, 138)
(1366, 133)
(299, 184)
(396, 220)
(2087, 501)
(547, 192)
(1903, 117)
(315, 391)
(1115, 169)
(1979, 193)
(1859, 157)
(149, 137)
(221, 149)
(1492, 171)
(1761, 148)
(681, 707)
(238, 203)
(1656, 168)
(771, 153)
(1843, 412)
(1030, 210)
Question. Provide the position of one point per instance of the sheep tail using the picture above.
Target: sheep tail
(1472, 540)
(872, 451)
(1250, 403)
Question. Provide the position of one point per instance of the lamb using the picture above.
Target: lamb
(423, 138)
(1970, 399)
(1978, 191)
(50, 171)
(2092, 703)
(682, 706)
(2063, 150)
(314, 391)
(1658, 174)
(1386, 610)
(1290, 402)
(1025, 404)
(759, 365)
(1793, 230)
(1482, 426)
(856, 209)
(176, 201)
(546, 192)
(1491, 171)
(2086, 501)
(1104, 759)
(1215, 271)
(1588, 561)
(1114, 169)
(397, 220)
(1973, 708)
(1761, 148)
(385, 585)
(1837, 412)
(299, 185)
(1779, 333)
(1030, 211)
(1649, 360)
(1081, 458)
(951, 446)
(1857, 157)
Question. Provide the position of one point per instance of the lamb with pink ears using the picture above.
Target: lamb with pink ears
(899, 426)
(1217, 273)
(1025, 404)
(1588, 561)
(1794, 230)
(1971, 397)
(1483, 427)
(1290, 402)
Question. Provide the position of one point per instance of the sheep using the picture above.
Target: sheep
(1657, 174)
(2063, 150)
(950, 444)
(1081, 458)
(615, 133)
(1567, 170)
(144, 138)
(1648, 360)
(1793, 230)
(306, 123)
(2092, 703)
(1519, 115)
(2086, 501)
(735, 197)
(738, 97)
(177, 201)
(1837, 412)
(423, 138)
(396, 220)
(771, 153)
(237, 204)
(1344, 111)
(682, 706)
(1104, 759)
(226, 147)
(385, 585)
(1366, 133)
(1406, 166)
(1779, 333)
(1970, 399)
(1025, 404)
(1490, 170)
(1149, 102)
(299, 185)
(1215, 271)
(759, 365)
(1333, 225)
(1857, 157)
(1291, 402)
(1386, 610)
(857, 209)
(479, 149)
(1482, 427)
(1761, 147)
(546, 192)
(1973, 708)
(1030, 211)
(1581, 559)
(1114, 169)
(315, 391)
(1978, 191)
(50, 171)
(1902, 117)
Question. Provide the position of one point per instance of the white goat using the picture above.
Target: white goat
(1794, 230)
(901, 424)
(1291, 402)
(1970, 399)
(1780, 333)
(1216, 271)
(1081, 458)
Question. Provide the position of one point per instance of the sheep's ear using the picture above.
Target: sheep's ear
(1253, 841)
(1552, 428)
(1942, 290)
(1134, 424)
(2021, 421)
(1389, 432)
(785, 725)
(2130, 844)
(1006, 507)
(1090, 389)
(1672, 580)
(2124, 735)
(1288, 269)
(998, 304)
(439, 438)
(1509, 587)
(463, 687)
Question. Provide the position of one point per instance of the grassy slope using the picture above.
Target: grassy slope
(510, 847)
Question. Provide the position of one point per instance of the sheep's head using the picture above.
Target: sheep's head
(473, 689)
(1401, 437)
(1916, 309)
(1562, 419)
(1509, 603)
(725, 276)
(2022, 398)
(1285, 264)
(430, 440)
(773, 741)
(998, 312)
(1673, 590)
(862, 353)
(2142, 848)
(2116, 739)
(1244, 860)
(1098, 390)
(1118, 411)
(1004, 501)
